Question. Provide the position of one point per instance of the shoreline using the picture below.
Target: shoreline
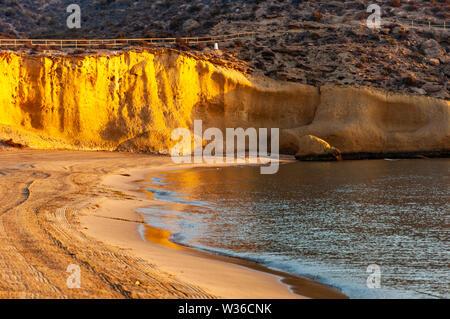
(119, 227)
(244, 274)
(301, 286)
(361, 156)
(60, 208)
(56, 212)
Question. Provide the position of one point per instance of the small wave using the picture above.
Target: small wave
(227, 218)
(277, 263)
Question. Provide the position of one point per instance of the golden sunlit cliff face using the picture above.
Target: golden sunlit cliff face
(132, 101)
(101, 102)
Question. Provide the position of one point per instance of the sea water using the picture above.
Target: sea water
(325, 221)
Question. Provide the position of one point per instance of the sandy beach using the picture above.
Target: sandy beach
(63, 207)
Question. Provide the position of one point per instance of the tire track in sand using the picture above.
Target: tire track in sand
(40, 237)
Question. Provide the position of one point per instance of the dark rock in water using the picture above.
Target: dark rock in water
(397, 155)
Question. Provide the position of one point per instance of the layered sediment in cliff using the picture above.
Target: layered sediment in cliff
(132, 101)
(363, 122)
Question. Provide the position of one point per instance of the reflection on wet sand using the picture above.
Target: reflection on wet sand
(328, 221)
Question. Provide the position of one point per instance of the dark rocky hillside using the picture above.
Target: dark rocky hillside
(328, 43)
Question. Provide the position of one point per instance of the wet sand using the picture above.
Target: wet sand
(59, 208)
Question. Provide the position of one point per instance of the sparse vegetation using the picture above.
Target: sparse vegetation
(324, 45)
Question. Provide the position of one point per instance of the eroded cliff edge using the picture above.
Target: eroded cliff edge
(132, 101)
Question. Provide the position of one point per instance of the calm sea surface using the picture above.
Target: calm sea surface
(325, 221)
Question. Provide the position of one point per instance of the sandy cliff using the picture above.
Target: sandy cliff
(132, 101)
(363, 122)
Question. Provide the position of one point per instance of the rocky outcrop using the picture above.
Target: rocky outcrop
(314, 148)
(132, 102)
(367, 121)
